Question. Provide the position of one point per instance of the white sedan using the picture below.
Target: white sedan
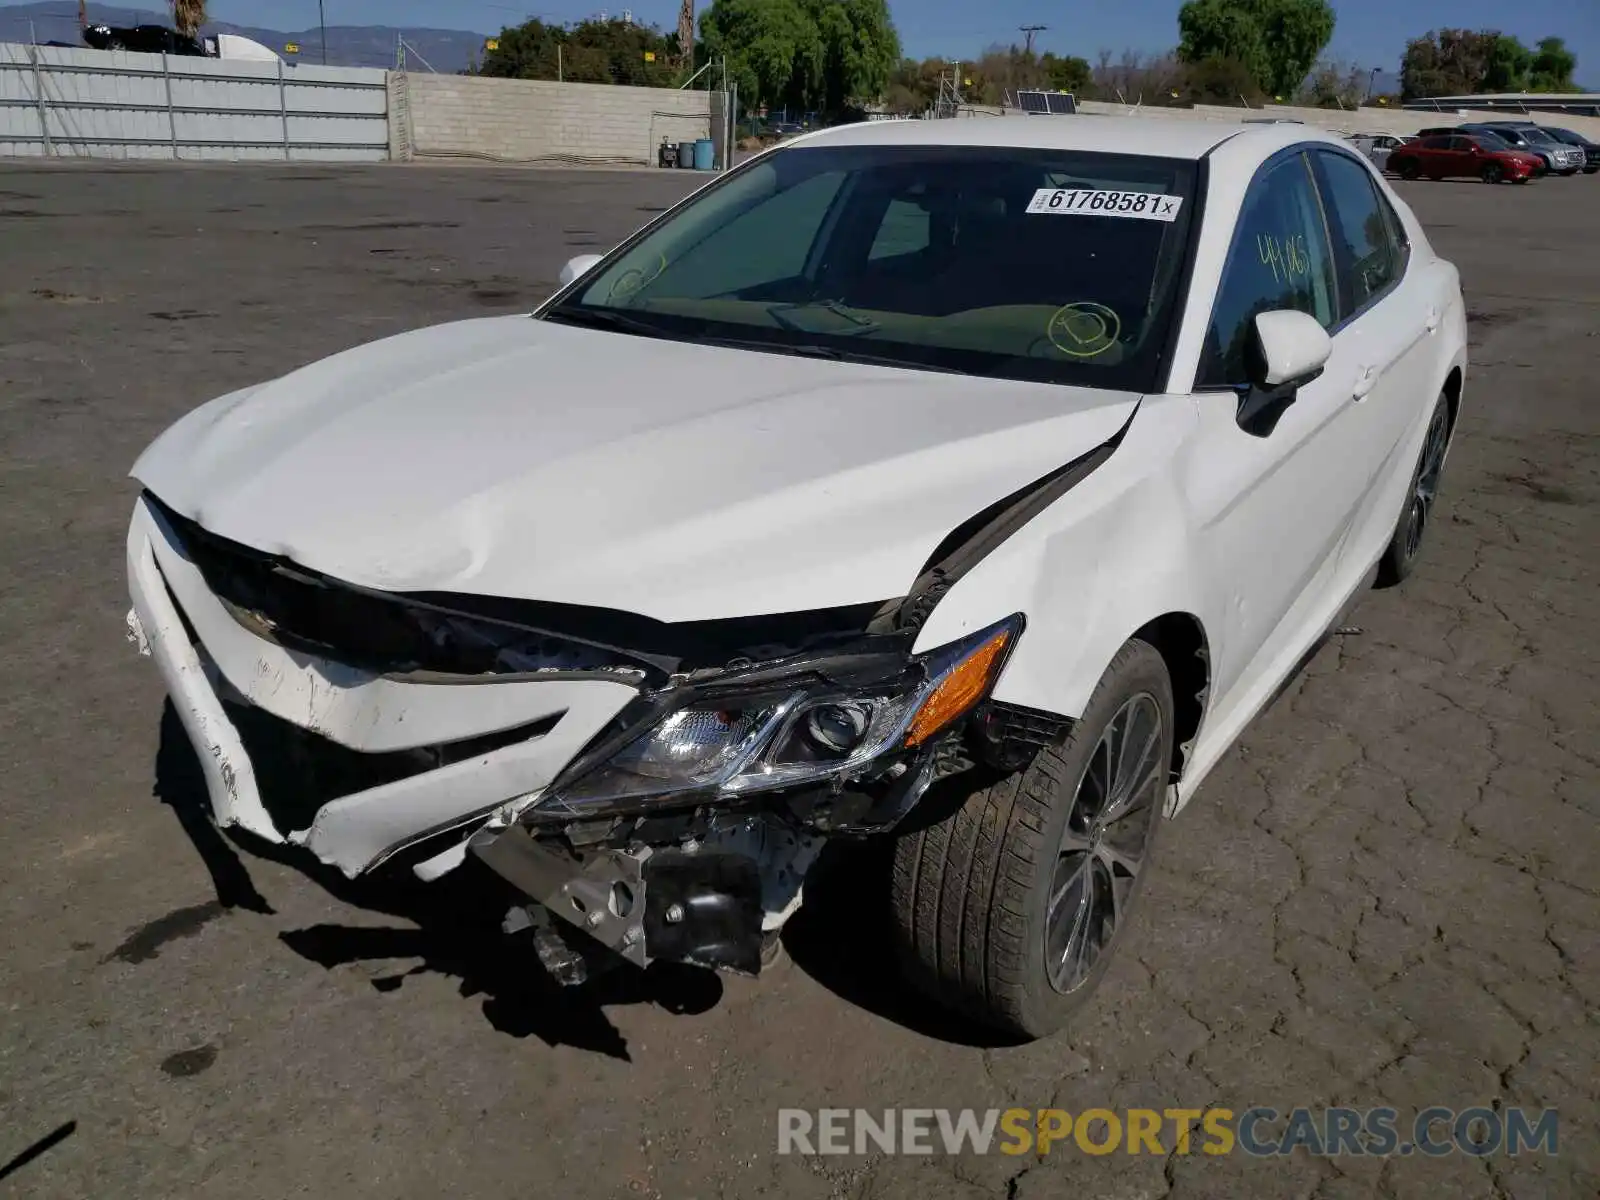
(969, 483)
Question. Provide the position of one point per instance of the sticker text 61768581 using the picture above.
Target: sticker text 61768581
(1097, 202)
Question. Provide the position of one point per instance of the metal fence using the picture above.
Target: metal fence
(65, 102)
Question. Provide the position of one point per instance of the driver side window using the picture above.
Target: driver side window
(1280, 259)
(744, 254)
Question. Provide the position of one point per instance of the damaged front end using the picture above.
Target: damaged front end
(662, 788)
(685, 831)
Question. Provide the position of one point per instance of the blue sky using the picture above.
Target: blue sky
(1370, 32)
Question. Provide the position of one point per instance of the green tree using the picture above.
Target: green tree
(588, 52)
(1444, 62)
(1506, 63)
(1276, 41)
(1552, 67)
(1462, 62)
(813, 55)
(1218, 80)
(1068, 73)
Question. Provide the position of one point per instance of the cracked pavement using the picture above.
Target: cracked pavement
(1387, 894)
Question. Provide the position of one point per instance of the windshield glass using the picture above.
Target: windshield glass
(1053, 265)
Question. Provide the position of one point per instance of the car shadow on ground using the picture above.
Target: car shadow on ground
(842, 937)
(455, 927)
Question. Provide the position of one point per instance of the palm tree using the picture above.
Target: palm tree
(188, 16)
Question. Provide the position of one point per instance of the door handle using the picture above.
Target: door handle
(1365, 382)
(1433, 320)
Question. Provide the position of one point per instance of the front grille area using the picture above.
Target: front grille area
(304, 611)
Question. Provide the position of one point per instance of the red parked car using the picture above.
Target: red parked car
(1463, 154)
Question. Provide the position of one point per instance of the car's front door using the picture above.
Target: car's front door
(1271, 507)
(1458, 159)
(1392, 315)
(1434, 156)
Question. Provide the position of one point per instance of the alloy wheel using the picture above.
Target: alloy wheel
(1425, 488)
(1103, 849)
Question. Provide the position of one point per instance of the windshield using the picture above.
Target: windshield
(1044, 265)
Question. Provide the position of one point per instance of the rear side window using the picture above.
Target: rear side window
(1280, 258)
(1367, 254)
(1435, 143)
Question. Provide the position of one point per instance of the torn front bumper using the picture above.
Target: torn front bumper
(708, 901)
(208, 660)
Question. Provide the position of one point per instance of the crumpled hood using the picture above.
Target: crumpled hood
(514, 457)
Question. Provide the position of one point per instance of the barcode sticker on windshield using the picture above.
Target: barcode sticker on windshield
(1094, 202)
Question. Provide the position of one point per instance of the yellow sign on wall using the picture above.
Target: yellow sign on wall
(291, 48)
(492, 44)
(649, 56)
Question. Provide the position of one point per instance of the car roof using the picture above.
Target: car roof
(1157, 137)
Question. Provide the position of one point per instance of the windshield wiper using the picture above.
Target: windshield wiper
(780, 314)
(604, 318)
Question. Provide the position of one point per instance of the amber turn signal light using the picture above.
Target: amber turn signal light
(968, 683)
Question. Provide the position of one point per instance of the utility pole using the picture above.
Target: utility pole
(83, 14)
(322, 23)
(686, 33)
(1028, 31)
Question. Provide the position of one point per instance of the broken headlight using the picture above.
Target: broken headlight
(733, 743)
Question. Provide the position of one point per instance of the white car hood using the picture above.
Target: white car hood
(519, 458)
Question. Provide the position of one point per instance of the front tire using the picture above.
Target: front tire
(1009, 910)
(1400, 558)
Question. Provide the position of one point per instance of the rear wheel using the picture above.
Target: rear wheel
(1404, 547)
(1009, 910)
(1409, 169)
(1492, 172)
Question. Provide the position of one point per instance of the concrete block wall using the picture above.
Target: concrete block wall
(528, 121)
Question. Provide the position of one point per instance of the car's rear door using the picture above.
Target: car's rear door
(1271, 506)
(1392, 309)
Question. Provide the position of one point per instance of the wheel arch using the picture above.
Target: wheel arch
(1452, 392)
(1180, 639)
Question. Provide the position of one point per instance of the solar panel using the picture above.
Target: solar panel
(1040, 103)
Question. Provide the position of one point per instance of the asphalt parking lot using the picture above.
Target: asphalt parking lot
(1389, 893)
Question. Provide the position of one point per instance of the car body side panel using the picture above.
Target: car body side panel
(1415, 363)
(1129, 544)
(1108, 556)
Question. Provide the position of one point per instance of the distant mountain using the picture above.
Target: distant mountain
(445, 50)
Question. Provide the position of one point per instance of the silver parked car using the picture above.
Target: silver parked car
(1560, 158)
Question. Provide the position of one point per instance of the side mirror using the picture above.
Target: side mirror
(579, 266)
(1291, 349)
